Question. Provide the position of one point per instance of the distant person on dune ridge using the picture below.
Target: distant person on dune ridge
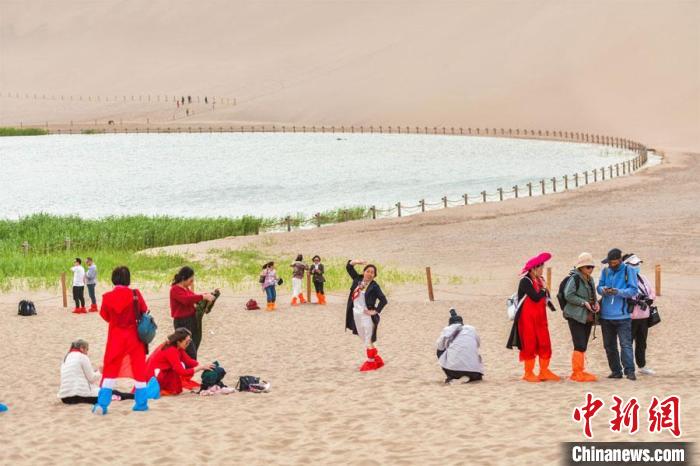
(317, 277)
(125, 353)
(268, 280)
(458, 350)
(91, 282)
(365, 303)
(79, 381)
(298, 268)
(78, 286)
(182, 304)
(530, 331)
(640, 313)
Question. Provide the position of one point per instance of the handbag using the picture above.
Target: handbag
(654, 317)
(145, 324)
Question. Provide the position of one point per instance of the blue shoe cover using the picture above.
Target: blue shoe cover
(153, 388)
(104, 398)
(3, 408)
(141, 399)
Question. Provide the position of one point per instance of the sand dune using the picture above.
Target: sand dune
(629, 69)
(321, 410)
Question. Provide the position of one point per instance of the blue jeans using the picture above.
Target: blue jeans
(612, 330)
(91, 293)
(271, 294)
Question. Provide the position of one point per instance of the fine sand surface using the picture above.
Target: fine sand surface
(321, 410)
(624, 68)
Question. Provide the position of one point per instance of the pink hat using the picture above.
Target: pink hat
(536, 261)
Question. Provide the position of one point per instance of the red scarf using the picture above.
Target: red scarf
(360, 288)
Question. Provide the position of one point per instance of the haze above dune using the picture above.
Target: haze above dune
(628, 69)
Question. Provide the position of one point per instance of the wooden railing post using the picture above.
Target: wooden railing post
(500, 194)
(444, 201)
(64, 293)
(549, 278)
(542, 184)
(483, 195)
(657, 284)
(422, 205)
(466, 198)
(398, 207)
(289, 223)
(429, 278)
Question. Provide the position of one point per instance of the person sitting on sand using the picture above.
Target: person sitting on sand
(173, 365)
(365, 303)
(268, 280)
(640, 313)
(79, 381)
(580, 312)
(458, 350)
(317, 277)
(530, 332)
(298, 268)
(78, 286)
(125, 354)
(182, 304)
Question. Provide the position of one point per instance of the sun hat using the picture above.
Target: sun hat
(613, 254)
(536, 261)
(585, 259)
(632, 259)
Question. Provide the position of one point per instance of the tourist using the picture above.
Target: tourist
(640, 314)
(182, 304)
(530, 331)
(173, 364)
(317, 277)
(268, 280)
(79, 381)
(617, 284)
(125, 354)
(78, 286)
(580, 312)
(458, 350)
(91, 282)
(298, 268)
(365, 303)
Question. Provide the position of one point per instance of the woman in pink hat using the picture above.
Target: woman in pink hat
(530, 332)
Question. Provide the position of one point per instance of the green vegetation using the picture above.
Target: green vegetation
(5, 131)
(36, 249)
(91, 131)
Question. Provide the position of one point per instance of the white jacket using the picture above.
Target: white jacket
(78, 377)
(462, 353)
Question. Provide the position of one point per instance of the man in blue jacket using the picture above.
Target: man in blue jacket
(617, 284)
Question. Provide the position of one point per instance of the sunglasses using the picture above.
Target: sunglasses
(589, 267)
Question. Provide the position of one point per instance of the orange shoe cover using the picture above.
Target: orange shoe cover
(545, 373)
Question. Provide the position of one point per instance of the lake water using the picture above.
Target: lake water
(268, 174)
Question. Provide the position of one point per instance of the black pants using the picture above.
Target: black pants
(74, 400)
(579, 334)
(91, 293)
(190, 323)
(79, 296)
(640, 330)
(472, 376)
(318, 286)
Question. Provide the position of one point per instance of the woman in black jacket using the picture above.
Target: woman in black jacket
(365, 303)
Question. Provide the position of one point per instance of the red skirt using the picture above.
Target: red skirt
(534, 330)
(125, 355)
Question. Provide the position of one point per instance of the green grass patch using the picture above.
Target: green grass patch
(7, 131)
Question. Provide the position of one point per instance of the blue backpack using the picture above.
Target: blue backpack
(145, 324)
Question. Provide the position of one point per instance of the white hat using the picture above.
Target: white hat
(633, 260)
(585, 259)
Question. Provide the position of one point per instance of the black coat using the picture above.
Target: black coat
(374, 297)
(525, 287)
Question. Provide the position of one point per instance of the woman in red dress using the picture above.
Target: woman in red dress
(125, 354)
(530, 332)
(183, 305)
(175, 366)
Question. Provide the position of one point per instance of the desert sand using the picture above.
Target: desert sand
(626, 69)
(321, 410)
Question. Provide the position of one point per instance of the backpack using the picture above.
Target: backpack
(145, 324)
(248, 383)
(513, 304)
(252, 305)
(26, 308)
(561, 296)
(213, 376)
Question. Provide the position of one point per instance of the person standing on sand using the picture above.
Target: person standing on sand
(182, 304)
(78, 286)
(580, 312)
(530, 331)
(458, 350)
(91, 282)
(125, 353)
(617, 284)
(268, 280)
(365, 303)
(317, 272)
(298, 268)
(640, 314)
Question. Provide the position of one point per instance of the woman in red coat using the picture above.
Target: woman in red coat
(182, 304)
(530, 332)
(125, 354)
(173, 363)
